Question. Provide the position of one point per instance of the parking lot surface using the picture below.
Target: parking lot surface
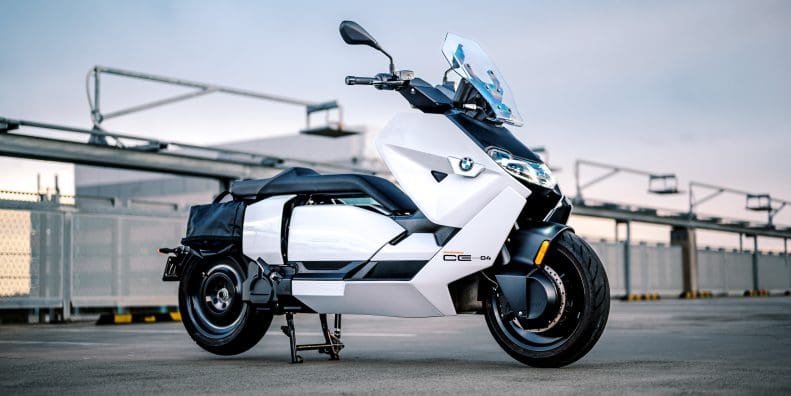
(726, 345)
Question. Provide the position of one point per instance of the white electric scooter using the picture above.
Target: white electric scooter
(478, 228)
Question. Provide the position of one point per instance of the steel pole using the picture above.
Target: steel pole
(627, 257)
(755, 262)
(785, 258)
(577, 182)
(97, 115)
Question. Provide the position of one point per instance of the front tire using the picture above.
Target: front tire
(210, 302)
(583, 317)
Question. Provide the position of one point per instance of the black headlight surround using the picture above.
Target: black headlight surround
(539, 203)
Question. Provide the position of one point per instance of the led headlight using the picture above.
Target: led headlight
(529, 171)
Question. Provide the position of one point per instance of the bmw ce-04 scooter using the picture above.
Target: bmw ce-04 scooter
(478, 228)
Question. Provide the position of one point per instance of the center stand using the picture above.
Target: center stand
(332, 340)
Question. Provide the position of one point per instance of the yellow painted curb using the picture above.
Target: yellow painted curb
(696, 294)
(122, 318)
(128, 318)
(756, 293)
(642, 297)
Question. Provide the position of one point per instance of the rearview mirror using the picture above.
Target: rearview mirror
(354, 34)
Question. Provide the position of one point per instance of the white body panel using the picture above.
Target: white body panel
(427, 293)
(383, 298)
(325, 288)
(262, 227)
(338, 233)
(414, 247)
(414, 144)
(482, 237)
(483, 201)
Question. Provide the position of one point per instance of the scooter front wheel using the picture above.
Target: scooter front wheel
(578, 276)
(212, 310)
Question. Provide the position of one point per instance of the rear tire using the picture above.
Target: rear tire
(212, 310)
(583, 319)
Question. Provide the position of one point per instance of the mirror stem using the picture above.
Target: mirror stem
(392, 65)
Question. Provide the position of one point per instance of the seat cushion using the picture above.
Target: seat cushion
(307, 181)
(249, 189)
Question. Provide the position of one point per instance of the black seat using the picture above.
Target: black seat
(307, 181)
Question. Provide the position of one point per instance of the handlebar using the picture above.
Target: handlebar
(353, 80)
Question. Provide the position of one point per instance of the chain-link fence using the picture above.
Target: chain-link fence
(85, 256)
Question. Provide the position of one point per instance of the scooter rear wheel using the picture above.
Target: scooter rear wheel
(212, 310)
(580, 320)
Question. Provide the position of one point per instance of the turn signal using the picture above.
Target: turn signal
(541, 252)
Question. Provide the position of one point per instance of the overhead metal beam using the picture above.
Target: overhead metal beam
(177, 149)
(768, 207)
(679, 220)
(87, 154)
(200, 85)
(615, 169)
(200, 89)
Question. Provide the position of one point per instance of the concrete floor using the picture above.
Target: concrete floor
(727, 345)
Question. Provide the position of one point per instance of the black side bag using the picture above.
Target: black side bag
(215, 226)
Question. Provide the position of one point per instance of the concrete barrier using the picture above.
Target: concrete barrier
(657, 269)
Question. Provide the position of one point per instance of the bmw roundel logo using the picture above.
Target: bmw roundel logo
(465, 164)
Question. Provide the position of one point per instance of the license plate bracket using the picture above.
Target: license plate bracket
(173, 267)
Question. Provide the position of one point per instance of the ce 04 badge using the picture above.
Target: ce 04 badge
(460, 256)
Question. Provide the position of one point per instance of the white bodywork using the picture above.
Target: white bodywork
(338, 233)
(414, 247)
(412, 145)
(483, 202)
(263, 222)
(427, 293)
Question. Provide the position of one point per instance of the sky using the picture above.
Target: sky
(697, 88)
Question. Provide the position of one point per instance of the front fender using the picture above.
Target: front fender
(525, 292)
(524, 244)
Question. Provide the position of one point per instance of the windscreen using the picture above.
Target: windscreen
(467, 59)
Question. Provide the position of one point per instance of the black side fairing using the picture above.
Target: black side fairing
(487, 135)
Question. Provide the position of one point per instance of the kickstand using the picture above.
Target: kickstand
(332, 340)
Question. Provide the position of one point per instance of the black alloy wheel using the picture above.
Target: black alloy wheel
(210, 301)
(573, 325)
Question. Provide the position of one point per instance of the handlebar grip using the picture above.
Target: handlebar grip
(352, 80)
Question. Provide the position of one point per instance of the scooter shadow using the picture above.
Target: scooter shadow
(412, 363)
